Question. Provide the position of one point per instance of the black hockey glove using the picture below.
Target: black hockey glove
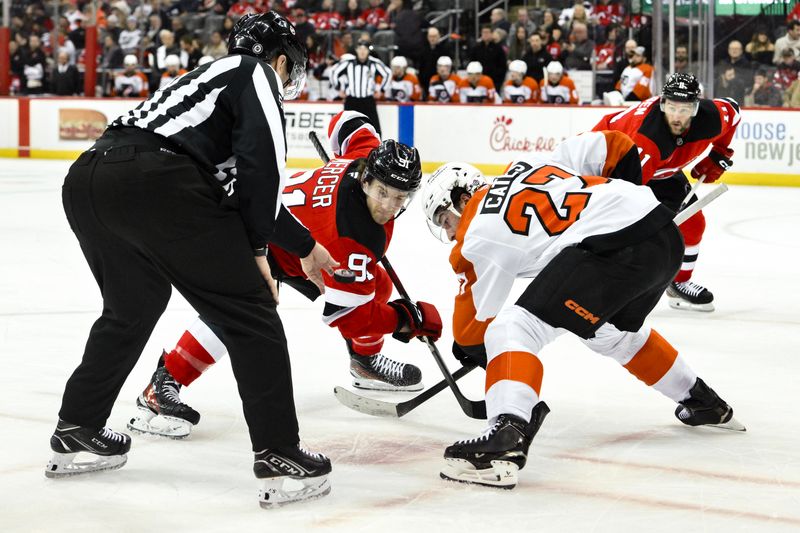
(470, 355)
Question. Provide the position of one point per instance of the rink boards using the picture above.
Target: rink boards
(767, 142)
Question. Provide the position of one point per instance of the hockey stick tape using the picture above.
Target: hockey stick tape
(344, 275)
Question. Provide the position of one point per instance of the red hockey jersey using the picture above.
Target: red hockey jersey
(663, 154)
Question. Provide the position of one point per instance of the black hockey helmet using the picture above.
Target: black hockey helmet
(681, 87)
(395, 164)
(266, 36)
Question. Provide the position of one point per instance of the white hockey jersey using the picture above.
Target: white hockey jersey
(515, 227)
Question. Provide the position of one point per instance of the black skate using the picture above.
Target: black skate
(291, 474)
(705, 408)
(69, 440)
(161, 411)
(378, 372)
(494, 458)
(690, 296)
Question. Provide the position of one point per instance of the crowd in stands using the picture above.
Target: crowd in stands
(525, 56)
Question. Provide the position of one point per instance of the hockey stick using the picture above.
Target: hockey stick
(369, 406)
(684, 215)
(691, 192)
(471, 408)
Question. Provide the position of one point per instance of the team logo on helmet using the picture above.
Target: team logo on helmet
(257, 48)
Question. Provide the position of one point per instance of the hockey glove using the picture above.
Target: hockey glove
(713, 165)
(470, 355)
(416, 320)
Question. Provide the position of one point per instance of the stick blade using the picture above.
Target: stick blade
(367, 406)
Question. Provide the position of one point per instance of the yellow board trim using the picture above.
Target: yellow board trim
(731, 178)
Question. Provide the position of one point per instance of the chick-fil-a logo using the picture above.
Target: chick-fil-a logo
(501, 140)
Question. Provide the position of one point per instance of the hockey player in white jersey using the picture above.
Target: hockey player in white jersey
(600, 253)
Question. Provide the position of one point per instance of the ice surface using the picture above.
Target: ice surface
(610, 457)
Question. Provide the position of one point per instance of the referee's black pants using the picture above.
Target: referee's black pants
(364, 105)
(147, 220)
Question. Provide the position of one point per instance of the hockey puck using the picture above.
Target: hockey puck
(344, 275)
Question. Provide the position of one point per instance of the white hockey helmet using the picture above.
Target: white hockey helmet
(474, 67)
(399, 61)
(554, 67)
(444, 61)
(518, 66)
(437, 192)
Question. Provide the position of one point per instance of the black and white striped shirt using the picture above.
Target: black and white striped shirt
(228, 116)
(358, 79)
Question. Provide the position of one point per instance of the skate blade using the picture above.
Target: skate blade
(277, 492)
(730, 425)
(148, 423)
(373, 384)
(63, 465)
(683, 305)
(501, 475)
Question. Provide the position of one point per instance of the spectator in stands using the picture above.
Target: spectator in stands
(559, 88)
(190, 46)
(391, 12)
(33, 66)
(112, 55)
(577, 13)
(327, 18)
(636, 82)
(555, 43)
(375, 17)
(549, 20)
(524, 21)
(65, 79)
(500, 37)
(131, 36)
(246, 7)
(607, 12)
(490, 56)
(154, 29)
(302, 25)
(763, 93)
(408, 32)
(790, 40)
(178, 29)
(499, 19)
(605, 54)
(444, 85)
(131, 82)
(791, 97)
(520, 89)
(787, 70)
(536, 57)
(78, 34)
(682, 59)
(621, 65)
(518, 44)
(112, 27)
(173, 71)
(737, 59)
(144, 10)
(729, 85)
(760, 48)
(404, 86)
(352, 16)
(227, 26)
(167, 48)
(216, 47)
(434, 49)
(580, 48)
(477, 88)
(15, 59)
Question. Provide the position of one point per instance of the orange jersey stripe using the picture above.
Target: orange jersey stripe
(653, 360)
(524, 367)
(617, 145)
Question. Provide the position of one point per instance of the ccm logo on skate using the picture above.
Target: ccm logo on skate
(289, 468)
(582, 312)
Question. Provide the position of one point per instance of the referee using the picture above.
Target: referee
(357, 77)
(184, 192)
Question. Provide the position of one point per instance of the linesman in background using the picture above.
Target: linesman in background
(185, 191)
(358, 78)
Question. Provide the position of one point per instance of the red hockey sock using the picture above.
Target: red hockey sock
(188, 360)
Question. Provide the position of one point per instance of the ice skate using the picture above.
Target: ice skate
(109, 448)
(291, 474)
(689, 296)
(495, 458)
(378, 372)
(161, 411)
(705, 408)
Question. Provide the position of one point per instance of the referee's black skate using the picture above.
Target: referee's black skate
(687, 295)
(291, 474)
(378, 372)
(161, 411)
(495, 458)
(704, 408)
(109, 447)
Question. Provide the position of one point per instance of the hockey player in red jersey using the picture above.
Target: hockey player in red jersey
(672, 131)
(599, 264)
(349, 205)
